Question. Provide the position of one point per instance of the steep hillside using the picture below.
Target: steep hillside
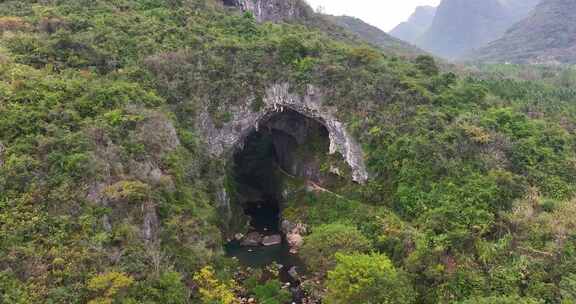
(375, 36)
(547, 36)
(463, 25)
(143, 141)
(349, 29)
(418, 23)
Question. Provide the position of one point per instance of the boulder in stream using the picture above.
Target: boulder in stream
(252, 239)
(272, 240)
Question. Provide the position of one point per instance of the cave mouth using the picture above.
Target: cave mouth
(286, 145)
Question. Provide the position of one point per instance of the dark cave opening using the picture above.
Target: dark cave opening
(286, 147)
(287, 144)
(258, 182)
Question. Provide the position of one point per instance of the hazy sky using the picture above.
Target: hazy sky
(384, 14)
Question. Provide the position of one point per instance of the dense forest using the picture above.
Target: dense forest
(108, 193)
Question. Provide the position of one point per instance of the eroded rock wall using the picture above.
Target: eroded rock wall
(244, 120)
(2, 149)
(272, 10)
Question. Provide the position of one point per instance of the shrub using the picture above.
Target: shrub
(168, 288)
(320, 247)
(271, 293)
(568, 288)
(109, 286)
(427, 65)
(128, 191)
(213, 290)
(362, 278)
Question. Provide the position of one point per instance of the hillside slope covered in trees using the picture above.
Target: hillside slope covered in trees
(109, 193)
(547, 36)
(375, 36)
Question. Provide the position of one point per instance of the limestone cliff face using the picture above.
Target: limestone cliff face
(230, 136)
(273, 10)
(2, 154)
(223, 141)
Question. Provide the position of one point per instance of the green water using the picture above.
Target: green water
(258, 257)
(264, 219)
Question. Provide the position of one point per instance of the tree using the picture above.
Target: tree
(109, 286)
(271, 293)
(427, 65)
(326, 240)
(367, 279)
(167, 288)
(211, 289)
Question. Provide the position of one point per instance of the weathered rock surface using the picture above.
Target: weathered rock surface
(273, 10)
(151, 223)
(252, 239)
(278, 98)
(272, 240)
(223, 141)
(293, 273)
(2, 150)
(294, 234)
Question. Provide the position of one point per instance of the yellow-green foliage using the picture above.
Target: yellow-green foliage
(212, 290)
(361, 278)
(109, 286)
(128, 191)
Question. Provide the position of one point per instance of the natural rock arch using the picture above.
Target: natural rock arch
(224, 141)
(244, 120)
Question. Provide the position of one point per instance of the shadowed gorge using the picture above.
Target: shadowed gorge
(286, 147)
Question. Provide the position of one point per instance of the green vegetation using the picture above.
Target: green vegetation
(271, 293)
(107, 192)
(371, 278)
(326, 240)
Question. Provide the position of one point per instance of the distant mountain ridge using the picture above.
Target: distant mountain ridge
(375, 36)
(463, 25)
(418, 23)
(456, 27)
(548, 35)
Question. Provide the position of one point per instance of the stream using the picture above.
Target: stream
(265, 220)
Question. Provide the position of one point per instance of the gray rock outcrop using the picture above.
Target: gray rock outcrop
(273, 10)
(2, 150)
(244, 120)
(252, 239)
(294, 235)
(272, 240)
